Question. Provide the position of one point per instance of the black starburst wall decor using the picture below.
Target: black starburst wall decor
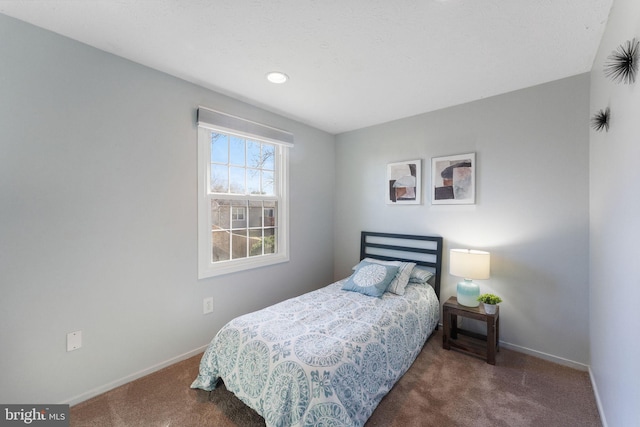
(600, 120)
(622, 64)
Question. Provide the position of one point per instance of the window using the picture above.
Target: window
(237, 213)
(242, 203)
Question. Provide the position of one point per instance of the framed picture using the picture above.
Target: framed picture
(404, 183)
(453, 180)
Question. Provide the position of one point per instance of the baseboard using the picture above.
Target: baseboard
(598, 401)
(546, 356)
(117, 383)
(541, 355)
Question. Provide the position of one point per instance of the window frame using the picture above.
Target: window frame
(206, 267)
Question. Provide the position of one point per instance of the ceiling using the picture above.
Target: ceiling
(351, 63)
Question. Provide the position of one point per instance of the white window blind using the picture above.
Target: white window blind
(223, 122)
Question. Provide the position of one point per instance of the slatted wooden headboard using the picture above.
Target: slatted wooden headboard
(423, 250)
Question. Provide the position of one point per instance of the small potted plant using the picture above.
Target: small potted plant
(490, 301)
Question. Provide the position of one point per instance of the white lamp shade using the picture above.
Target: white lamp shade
(469, 264)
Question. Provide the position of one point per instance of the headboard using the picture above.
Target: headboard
(423, 250)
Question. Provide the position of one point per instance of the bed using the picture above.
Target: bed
(328, 357)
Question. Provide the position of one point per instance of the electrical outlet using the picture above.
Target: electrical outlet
(74, 340)
(207, 305)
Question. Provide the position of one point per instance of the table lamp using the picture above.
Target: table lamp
(469, 264)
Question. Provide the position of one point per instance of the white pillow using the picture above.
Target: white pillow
(420, 275)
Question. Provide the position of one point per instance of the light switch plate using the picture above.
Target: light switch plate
(207, 305)
(74, 340)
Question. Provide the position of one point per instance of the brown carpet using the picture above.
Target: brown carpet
(442, 388)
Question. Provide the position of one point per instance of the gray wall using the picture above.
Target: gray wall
(532, 149)
(98, 219)
(615, 230)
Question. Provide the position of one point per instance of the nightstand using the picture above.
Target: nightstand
(469, 342)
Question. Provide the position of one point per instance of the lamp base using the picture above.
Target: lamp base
(468, 293)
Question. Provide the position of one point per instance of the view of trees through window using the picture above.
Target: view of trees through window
(244, 202)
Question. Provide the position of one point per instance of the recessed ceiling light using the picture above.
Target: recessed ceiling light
(277, 77)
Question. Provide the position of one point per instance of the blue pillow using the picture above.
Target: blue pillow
(402, 277)
(371, 278)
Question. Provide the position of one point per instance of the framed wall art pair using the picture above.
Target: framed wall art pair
(453, 181)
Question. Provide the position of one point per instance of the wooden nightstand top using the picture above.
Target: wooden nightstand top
(452, 303)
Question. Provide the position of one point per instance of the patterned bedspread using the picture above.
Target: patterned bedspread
(327, 357)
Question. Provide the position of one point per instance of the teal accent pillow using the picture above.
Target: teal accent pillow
(371, 278)
(398, 284)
